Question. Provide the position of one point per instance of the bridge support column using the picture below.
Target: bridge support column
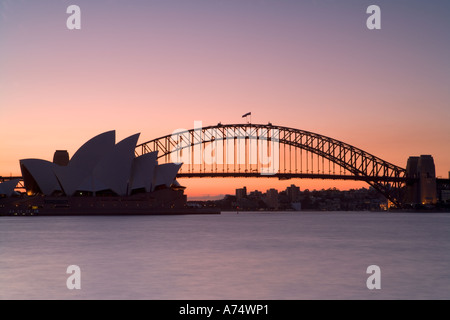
(421, 188)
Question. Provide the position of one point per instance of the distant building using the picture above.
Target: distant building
(256, 195)
(272, 198)
(445, 195)
(297, 206)
(293, 193)
(241, 193)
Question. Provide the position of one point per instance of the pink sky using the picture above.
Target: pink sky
(156, 66)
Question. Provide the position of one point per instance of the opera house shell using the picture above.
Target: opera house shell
(7, 188)
(100, 166)
(101, 177)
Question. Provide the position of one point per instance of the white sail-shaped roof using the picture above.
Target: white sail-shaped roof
(100, 165)
(90, 153)
(92, 184)
(79, 171)
(165, 174)
(143, 171)
(114, 169)
(70, 178)
(40, 172)
(7, 187)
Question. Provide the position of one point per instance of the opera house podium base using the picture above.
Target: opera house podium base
(160, 202)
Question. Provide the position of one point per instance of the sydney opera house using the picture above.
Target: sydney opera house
(102, 177)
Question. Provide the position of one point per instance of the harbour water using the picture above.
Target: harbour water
(251, 255)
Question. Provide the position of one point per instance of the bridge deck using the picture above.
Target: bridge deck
(287, 176)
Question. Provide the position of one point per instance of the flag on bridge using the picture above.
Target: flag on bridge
(247, 114)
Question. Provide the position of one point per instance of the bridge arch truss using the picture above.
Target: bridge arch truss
(266, 150)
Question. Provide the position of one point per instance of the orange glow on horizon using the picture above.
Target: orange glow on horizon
(299, 64)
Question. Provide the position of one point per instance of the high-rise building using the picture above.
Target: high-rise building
(293, 193)
(241, 193)
(272, 198)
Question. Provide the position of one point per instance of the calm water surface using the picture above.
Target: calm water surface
(228, 256)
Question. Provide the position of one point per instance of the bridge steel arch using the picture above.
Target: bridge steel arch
(382, 175)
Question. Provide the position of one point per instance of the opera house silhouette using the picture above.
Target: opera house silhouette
(102, 177)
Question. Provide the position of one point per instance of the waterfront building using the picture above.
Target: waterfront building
(98, 167)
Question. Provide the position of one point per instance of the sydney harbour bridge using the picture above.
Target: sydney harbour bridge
(266, 150)
(270, 151)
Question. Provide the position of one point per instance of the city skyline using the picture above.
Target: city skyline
(292, 198)
(154, 67)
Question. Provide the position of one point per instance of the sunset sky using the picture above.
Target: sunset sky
(158, 65)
